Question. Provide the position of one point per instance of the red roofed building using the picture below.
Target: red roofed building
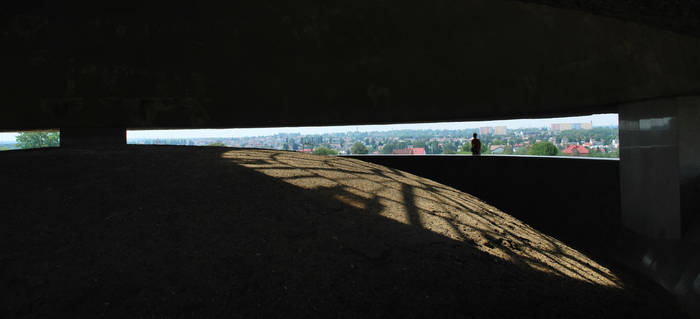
(409, 151)
(575, 150)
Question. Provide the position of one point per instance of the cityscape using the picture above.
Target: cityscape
(567, 139)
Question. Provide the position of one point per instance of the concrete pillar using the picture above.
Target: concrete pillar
(660, 166)
(92, 136)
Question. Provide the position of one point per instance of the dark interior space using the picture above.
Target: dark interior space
(99, 228)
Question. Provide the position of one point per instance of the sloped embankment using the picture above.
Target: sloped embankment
(193, 232)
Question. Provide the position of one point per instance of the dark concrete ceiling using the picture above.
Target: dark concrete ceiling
(279, 63)
(681, 16)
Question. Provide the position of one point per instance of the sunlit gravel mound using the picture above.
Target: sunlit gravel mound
(160, 232)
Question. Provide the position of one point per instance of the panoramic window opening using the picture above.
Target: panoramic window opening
(593, 136)
(29, 139)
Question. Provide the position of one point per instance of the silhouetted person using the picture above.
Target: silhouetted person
(476, 146)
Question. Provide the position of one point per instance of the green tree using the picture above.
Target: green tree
(37, 139)
(449, 149)
(387, 148)
(522, 151)
(420, 143)
(544, 148)
(390, 146)
(508, 149)
(613, 154)
(466, 148)
(359, 148)
(324, 151)
(434, 148)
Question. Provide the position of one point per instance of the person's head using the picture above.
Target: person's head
(474, 135)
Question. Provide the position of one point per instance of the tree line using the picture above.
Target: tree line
(26, 140)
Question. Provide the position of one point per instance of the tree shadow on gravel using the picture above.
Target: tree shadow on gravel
(160, 232)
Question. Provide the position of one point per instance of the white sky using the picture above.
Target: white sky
(597, 120)
(7, 137)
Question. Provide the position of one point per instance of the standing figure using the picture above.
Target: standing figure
(476, 146)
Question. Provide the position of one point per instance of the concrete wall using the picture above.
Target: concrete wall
(649, 169)
(92, 137)
(574, 200)
(660, 166)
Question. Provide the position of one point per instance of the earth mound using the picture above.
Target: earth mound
(144, 231)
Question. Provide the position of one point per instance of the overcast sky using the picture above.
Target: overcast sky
(597, 120)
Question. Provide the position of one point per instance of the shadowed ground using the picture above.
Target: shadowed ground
(204, 232)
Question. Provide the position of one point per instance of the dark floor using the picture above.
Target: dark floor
(160, 232)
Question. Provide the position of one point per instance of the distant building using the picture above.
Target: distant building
(497, 149)
(486, 130)
(499, 130)
(409, 151)
(558, 127)
(575, 150)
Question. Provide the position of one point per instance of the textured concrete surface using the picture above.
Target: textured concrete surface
(274, 63)
(677, 15)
